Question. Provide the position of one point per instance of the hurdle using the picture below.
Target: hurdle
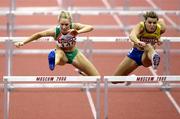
(22, 82)
(162, 82)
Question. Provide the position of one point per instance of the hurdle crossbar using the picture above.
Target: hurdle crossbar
(12, 82)
(148, 80)
(143, 78)
(51, 78)
(98, 27)
(92, 38)
(144, 85)
(88, 11)
(51, 85)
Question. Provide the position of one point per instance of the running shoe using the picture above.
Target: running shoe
(155, 61)
(51, 59)
(126, 83)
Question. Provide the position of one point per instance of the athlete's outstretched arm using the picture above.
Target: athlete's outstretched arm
(134, 33)
(83, 28)
(36, 36)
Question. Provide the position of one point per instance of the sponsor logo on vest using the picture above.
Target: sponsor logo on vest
(149, 40)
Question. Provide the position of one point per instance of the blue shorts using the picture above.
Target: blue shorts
(136, 55)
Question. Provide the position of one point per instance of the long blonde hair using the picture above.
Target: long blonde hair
(65, 15)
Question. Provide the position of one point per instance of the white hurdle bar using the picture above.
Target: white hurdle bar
(81, 39)
(12, 82)
(80, 11)
(144, 81)
(139, 82)
(134, 78)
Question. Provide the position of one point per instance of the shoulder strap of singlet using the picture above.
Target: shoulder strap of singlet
(159, 26)
(57, 31)
(142, 27)
(71, 25)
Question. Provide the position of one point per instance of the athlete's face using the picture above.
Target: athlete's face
(151, 24)
(65, 25)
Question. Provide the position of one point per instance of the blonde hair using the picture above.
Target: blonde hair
(65, 15)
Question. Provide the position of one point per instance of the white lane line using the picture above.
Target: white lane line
(93, 109)
(116, 18)
(175, 104)
(164, 15)
(59, 2)
(153, 72)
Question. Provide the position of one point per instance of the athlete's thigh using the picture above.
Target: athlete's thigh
(125, 67)
(145, 60)
(83, 64)
(61, 59)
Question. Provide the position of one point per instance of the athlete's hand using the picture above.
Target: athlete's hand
(73, 32)
(141, 44)
(159, 42)
(19, 44)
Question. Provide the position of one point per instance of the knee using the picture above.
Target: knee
(120, 73)
(147, 64)
(148, 47)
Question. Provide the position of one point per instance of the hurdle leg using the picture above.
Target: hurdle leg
(166, 51)
(6, 99)
(8, 55)
(105, 98)
(98, 99)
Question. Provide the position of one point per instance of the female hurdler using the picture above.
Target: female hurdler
(66, 51)
(144, 36)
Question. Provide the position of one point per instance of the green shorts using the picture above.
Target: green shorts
(71, 55)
